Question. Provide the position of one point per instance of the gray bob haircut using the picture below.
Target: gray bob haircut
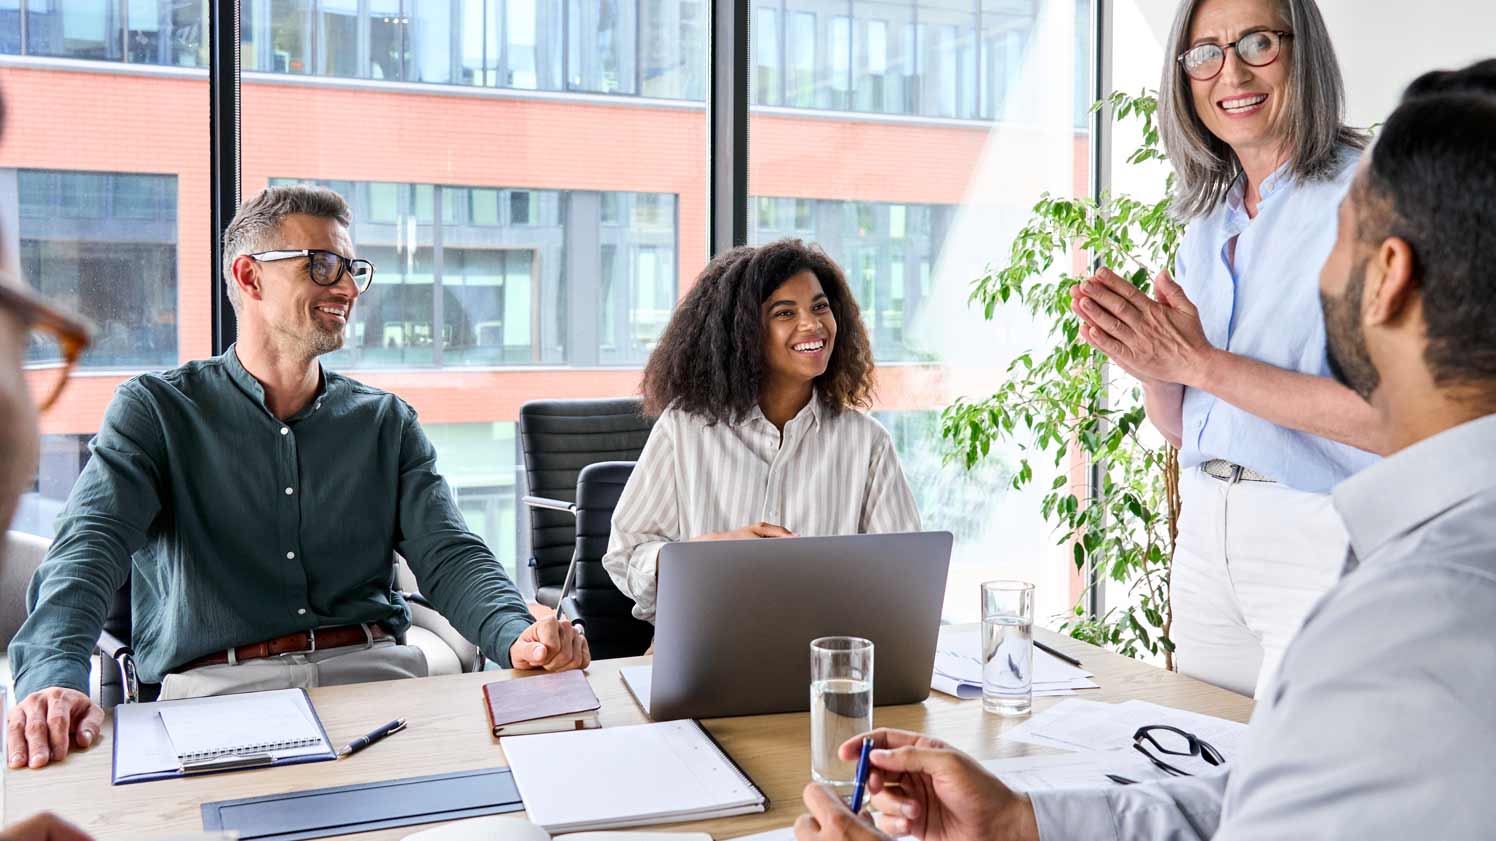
(257, 224)
(1204, 166)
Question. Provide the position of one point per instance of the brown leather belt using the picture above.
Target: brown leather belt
(300, 642)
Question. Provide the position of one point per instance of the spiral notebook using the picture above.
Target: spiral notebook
(226, 733)
(628, 776)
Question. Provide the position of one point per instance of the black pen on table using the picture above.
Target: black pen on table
(1060, 654)
(364, 741)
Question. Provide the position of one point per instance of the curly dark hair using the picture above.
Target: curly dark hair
(710, 360)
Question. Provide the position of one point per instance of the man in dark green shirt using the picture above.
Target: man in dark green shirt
(254, 498)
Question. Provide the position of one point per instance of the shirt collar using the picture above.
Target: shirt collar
(1237, 195)
(1411, 487)
(247, 383)
(812, 410)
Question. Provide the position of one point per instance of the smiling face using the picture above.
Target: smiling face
(302, 314)
(1245, 106)
(799, 329)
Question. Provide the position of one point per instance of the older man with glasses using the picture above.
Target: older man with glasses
(255, 502)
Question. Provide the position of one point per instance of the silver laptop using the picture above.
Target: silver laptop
(734, 620)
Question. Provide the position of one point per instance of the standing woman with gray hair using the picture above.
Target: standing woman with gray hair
(1231, 348)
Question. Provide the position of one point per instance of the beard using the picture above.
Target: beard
(319, 340)
(1345, 343)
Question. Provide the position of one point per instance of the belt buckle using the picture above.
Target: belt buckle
(1236, 470)
(312, 635)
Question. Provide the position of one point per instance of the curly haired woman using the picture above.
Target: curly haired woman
(756, 384)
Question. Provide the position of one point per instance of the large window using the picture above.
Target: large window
(508, 276)
(105, 245)
(530, 178)
(530, 241)
(887, 251)
(169, 33)
(914, 210)
(104, 198)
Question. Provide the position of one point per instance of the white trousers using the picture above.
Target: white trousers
(1252, 558)
(380, 660)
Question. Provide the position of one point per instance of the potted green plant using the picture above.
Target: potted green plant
(1064, 401)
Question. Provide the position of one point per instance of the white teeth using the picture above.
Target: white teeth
(809, 346)
(1244, 104)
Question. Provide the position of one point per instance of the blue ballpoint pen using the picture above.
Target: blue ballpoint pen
(861, 784)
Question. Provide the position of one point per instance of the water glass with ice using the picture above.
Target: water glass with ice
(841, 704)
(1007, 647)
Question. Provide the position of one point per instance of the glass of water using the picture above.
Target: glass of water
(1007, 647)
(841, 704)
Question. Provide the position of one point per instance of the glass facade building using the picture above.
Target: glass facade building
(529, 177)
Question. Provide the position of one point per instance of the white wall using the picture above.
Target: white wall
(1383, 44)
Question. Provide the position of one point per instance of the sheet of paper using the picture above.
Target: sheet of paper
(637, 679)
(258, 722)
(1083, 769)
(640, 773)
(142, 746)
(958, 668)
(1077, 724)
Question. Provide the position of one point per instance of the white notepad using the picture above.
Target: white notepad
(628, 776)
(168, 738)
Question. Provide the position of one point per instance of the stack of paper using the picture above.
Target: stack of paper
(636, 775)
(958, 668)
(1090, 725)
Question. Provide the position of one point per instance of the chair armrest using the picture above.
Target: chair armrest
(572, 611)
(416, 598)
(550, 504)
(112, 647)
(425, 615)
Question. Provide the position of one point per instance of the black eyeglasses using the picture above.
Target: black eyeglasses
(1258, 49)
(1171, 741)
(325, 267)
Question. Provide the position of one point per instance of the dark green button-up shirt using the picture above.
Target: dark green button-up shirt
(236, 527)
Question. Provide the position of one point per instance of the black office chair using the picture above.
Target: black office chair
(578, 456)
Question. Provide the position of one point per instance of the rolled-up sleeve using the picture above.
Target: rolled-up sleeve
(887, 503)
(647, 517)
(454, 567)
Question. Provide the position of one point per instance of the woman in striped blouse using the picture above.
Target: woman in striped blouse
(756, 384)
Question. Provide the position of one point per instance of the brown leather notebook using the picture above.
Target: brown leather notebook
(541, 704)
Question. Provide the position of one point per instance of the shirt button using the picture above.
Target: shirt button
(290, 556)
(289, 491)
(301, 611)
(285, 431)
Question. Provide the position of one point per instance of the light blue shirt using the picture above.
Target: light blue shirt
(1265, 306)
(1381, 721)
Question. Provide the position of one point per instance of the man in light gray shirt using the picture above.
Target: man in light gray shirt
(1382, 722)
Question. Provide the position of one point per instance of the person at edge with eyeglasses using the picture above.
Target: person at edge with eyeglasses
(1230, 349)
(255, 501)
(22, 397)
(1380, 723)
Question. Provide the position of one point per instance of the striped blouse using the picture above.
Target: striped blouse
(833, 473)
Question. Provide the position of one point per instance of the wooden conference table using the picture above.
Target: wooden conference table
(448, 732)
